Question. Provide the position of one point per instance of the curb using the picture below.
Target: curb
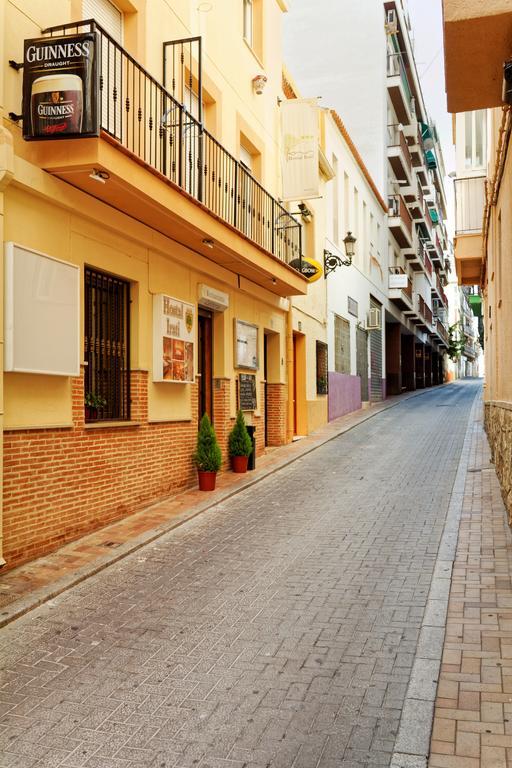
(23, 605)
(412, 745)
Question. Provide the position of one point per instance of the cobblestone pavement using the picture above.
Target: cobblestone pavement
(278, 629)
(473, 720)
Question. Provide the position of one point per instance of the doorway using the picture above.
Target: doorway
(205, 364)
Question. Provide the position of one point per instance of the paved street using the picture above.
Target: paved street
(278, 629)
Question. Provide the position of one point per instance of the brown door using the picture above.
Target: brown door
(265, 375)
(204, 362)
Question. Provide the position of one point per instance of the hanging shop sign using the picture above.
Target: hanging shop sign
(174, 329)
(246, 345)
(309, 268)
(300, 137)
(60, 87)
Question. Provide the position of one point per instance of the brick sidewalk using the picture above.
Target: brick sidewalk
(30, 585)
(473, 716)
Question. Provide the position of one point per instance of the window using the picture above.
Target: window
(336, 203)
(321, 368)
(248, 21)
(341, 345)
(107, 347)
(475, 137)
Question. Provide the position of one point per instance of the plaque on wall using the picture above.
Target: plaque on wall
(247, 392)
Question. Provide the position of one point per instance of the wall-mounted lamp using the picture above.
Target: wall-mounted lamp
(258, 84)
(306, 214)
(99, 175)
(332, 260)
(209, 243)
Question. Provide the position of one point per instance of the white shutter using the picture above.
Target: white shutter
(110, 19)
(107, 15)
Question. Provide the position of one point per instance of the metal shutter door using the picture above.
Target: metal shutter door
(362, 361)
(376, 359)
(342, 345)
(112, 62)
(107, 15)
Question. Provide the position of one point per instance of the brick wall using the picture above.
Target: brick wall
(60, 484)
(277, 413)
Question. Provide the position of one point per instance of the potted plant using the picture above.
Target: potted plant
(208, 456)
(240, 444)
(92, 403)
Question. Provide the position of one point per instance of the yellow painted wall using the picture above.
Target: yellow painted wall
(84, 239)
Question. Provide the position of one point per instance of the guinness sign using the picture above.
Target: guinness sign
(309, 268)
(60, 87)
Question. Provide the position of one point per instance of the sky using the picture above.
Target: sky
(427, 25)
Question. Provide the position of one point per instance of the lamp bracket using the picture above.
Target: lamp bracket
(332, 261)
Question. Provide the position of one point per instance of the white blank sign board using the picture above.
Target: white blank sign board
(42, 313)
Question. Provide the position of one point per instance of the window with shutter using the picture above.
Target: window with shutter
(110, 19)
(341, 345)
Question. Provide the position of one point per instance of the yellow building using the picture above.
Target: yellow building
(478, 54)
(147, 258)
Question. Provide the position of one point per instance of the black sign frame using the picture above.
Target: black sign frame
(61, 87)
(247, 398)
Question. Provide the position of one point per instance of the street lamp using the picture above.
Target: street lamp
(332, 260)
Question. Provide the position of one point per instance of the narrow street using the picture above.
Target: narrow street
(278, 629)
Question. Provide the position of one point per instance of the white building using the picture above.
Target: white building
(360, 60)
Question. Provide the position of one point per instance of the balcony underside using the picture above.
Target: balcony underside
(400, 299)
(474, 65)
(399, 165)
(398, 99)
(468, 258)
(400, 231)
(135, 189)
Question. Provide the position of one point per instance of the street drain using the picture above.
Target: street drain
(110, 544)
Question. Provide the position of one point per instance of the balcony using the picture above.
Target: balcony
(469, 210)
(398, 155)
(413, 196)
(477, 37)
(399, 89)
(469, 351)
(426, 317)
(164, 169)
(400, 288)
(400, 221)
(437, 289)
(440, 334)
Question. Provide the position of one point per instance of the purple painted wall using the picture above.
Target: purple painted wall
(344, 394)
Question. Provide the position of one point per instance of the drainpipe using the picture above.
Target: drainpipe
(6, 176)
(289, 372)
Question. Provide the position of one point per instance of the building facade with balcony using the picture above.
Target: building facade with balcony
(366, 70)
(148, 267)
(480, 97)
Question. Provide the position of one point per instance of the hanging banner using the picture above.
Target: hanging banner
(300, 135)
(60, 87)
(174, 330)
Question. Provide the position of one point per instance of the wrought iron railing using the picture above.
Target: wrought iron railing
(141, 116)
(424, 310)
(442, 332)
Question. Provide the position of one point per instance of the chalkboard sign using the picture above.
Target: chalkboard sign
(247, 392)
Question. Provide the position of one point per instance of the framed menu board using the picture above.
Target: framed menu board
(246, 345)
(247, 392)
(174, 331)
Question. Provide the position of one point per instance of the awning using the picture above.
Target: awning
(430, 159)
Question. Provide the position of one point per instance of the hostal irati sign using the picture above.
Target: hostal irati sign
(60, 87)
(174, 330)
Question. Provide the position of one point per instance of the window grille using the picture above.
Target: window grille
(342, 345)
(321, 368)
(107, 347)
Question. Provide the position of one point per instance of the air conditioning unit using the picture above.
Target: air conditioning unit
(373, 322)
(391, 23)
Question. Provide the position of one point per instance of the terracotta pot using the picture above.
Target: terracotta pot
(206, 480)
(239, 463)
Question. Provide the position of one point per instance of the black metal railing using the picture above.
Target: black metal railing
(143, 117)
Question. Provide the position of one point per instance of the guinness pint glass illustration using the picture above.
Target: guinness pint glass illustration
(60, 87)
(56, 105)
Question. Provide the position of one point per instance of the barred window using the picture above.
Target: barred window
(106, 347)
(321, 368)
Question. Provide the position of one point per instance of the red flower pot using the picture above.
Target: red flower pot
(206, 480)
(239, 463)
